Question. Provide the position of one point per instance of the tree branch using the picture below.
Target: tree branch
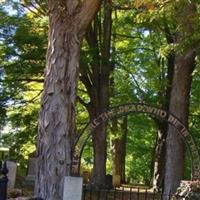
(87, 13)
(82, 102)
(24, 79)
(85, 80)
(25, 102)
(118, 7)
(81, 90)
(31, 10)
(42, 7)
(142, 93)
(134, 49)
(126, 36)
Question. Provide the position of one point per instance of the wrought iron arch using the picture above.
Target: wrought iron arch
(126, 109)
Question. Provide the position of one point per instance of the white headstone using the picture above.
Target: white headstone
(12, 170)
(72, 188)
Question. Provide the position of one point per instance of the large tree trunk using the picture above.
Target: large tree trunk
(99, 138)
(68, 22)
(179, 106)
(160, 148)
(180, 67)
(100, 104)
(179, 101)
(100, 147)
(119, 149)
(96, 80)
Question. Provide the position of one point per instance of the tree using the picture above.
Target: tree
(160, 150)
(180, 54)
(95, 75)
(137, 53)
(180, 94)
(68, 21)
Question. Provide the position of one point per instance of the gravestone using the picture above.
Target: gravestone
(4, 153)
(72, 188)
(116, 180)
(12, 170)
(86, 177)
(109, 184)
(30, 178)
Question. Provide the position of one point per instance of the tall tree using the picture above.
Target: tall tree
(180, 63)
(95, 75)
(159, 154)
(180, 93)
(68, 21)
(144, 56)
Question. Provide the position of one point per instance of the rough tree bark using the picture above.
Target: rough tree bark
(179, 101)
(68, 20)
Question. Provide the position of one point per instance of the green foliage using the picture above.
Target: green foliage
(140, 148)
(24, 44)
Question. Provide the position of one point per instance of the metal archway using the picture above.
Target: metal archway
(126, 109)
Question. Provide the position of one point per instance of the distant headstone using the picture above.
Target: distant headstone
(30, 178)
(72, 188)
(75, 165)
(116, 180)
(12, 170)
(4, 153)
(109, 184)
(86, 177)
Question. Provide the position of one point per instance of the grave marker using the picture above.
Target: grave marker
(30, 178)
(72, 188)
(12, 170)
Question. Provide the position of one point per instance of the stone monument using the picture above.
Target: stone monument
(72, 188)
(12, 170)
(30, 178)
(116, 180)
(4, 153)
(109, 184)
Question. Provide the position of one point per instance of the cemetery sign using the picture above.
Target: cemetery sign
(137, 108)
